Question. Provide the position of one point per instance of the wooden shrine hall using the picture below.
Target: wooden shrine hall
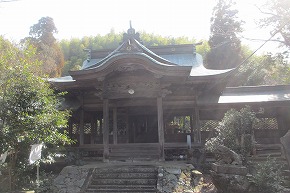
(136, 101)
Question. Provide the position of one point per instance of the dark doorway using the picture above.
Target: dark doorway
(143, 129)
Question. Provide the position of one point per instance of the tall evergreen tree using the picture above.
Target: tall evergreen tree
(225, 45)
(41, 35)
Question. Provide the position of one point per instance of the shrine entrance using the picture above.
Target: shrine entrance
(143, 129)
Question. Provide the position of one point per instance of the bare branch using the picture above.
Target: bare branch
(263, 40)
(267, 13)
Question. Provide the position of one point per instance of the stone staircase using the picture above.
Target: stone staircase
(135, 151)
(265, 150)
(131, 179)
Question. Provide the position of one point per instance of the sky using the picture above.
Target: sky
(79, 18)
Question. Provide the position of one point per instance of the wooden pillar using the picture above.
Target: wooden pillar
(82, 126)
(192, 127)
(197, 133)
(160, 128)
(127, 125)
(115, 126)
(93, 129)
(106, 129)
(191, 124)
(101, 126)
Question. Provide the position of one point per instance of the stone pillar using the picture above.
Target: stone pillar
(285, 141)
(160, 128)
(106, 129)
(115, 126)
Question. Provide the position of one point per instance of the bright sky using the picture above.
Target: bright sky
(78, 18)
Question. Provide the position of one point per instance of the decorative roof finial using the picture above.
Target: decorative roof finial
(131, 30)
(131, 34)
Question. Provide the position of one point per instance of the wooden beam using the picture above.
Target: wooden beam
(106, 129)
(160, 128)
(115, 126)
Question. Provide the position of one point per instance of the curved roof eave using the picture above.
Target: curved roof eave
(61, 79)
(201, 71)
(124, 55)
(139, 58)
(139, 46)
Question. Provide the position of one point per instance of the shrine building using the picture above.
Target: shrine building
(138, 102)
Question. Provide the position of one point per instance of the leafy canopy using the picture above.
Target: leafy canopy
(47, 48)
(29, 108)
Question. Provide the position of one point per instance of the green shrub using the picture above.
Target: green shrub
(235, 131)
(267, 176)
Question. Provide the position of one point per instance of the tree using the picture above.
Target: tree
(225, 45)
(266, 69)
(48, 50)
(235, 131)
(277, 14)
(29, 108)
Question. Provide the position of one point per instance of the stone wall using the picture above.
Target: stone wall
(172, 178)
(182, 180)
(70, 180)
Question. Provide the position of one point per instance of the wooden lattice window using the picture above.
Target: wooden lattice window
(266, 123)
(208, 125)
(178, 124)
(75, 128)
(87, 128)
(98, 127)
(122, 127)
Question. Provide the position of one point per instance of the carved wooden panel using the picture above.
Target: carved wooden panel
(131, 85)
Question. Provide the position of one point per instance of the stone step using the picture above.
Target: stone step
(141, 152)
(128, 175)
(127, 169)
(135, 152)
(149, 190)
(265, 158)
(123, 181)
(269, 146)
(121, 188)
(118, 190)
(140, 158)
(270, 154)
(131, 154)
(136, 179)
(134, 148)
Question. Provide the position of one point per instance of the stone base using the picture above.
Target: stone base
(229, 169)
(231, 183)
